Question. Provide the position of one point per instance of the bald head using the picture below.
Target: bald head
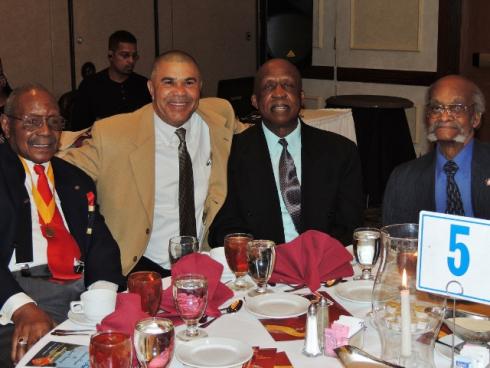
(460, 87)
(174, 56)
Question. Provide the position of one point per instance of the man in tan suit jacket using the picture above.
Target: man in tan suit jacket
(122, 154)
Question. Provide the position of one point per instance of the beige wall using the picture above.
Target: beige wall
(336, 17)
(34, 37)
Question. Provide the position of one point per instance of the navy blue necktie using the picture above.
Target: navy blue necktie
(454, 204)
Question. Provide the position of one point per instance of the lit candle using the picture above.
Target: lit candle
(406, 318)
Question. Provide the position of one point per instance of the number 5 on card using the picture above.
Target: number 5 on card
(454, 248)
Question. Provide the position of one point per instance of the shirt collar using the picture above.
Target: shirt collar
(293, 138)
(167, 131)
(461, 159)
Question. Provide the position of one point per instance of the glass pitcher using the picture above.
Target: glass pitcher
(407, 320)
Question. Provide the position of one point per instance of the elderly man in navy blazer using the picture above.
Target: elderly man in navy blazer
(285, 177)
(54, 242)
(455, 177)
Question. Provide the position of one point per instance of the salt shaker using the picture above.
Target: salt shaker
(322, 320)
(312, 344)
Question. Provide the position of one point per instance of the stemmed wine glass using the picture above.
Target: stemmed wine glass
(148, 285)
(367, 247)
(110, 349)
(236, 256)
(154, 342)
(190, 293)
(180, 246)
(261, 255)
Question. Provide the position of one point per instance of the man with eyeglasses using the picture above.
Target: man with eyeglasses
(114, 90)
(53, 242)
(455, 177)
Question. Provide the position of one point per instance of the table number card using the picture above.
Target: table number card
(454, 248)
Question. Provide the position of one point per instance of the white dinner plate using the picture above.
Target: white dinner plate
(359, 291)
(277, 305)
(444, 350)
(213, 352)
(80, 319)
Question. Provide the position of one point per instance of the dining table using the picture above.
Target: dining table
(246, 327)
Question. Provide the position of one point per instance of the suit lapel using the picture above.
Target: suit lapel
(14, 179)
(480, 174)
(260, 178)
(142, 160)
(73, 201)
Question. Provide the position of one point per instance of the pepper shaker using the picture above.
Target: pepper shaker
(322, 320)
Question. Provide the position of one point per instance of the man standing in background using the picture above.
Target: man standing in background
(114, 90)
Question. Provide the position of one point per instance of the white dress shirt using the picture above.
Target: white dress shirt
(166, 212)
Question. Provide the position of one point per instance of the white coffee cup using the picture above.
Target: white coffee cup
(95, 304)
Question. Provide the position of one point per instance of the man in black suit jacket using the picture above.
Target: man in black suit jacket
(454, 110)
(328, 170)
(32, 126)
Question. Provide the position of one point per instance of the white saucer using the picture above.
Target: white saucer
(277, 305)
(359, 291)
(213, 352)
(80, 319)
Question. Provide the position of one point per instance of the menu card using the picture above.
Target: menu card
(61, 355)
(268, 358)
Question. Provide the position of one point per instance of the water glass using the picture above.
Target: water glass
(367, 248)
(180, 246)
(148, 285)
(110, 349)
(261, 255)
(190, 293)
(154, 341)
(236, 256)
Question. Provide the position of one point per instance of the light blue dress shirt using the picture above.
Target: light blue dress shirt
(275, 150)
(462, 177)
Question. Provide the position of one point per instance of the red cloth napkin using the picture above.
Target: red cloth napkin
(218, 293)
(127, 313)
(311, 258)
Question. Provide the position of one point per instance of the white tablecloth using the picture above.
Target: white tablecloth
(339, 121)
(246, 327)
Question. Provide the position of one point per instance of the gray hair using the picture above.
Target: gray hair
(12, 102)
(178, 56)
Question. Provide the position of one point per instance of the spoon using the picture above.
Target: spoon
(61, 332)
(232, 308)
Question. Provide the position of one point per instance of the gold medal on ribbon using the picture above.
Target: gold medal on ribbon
(49, 231)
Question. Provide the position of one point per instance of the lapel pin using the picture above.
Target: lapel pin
(77, 187)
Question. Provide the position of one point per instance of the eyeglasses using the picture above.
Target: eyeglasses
(452, 109)
(33, 122)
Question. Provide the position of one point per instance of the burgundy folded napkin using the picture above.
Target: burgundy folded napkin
(127, 313)
(218, 293)
(311, 258)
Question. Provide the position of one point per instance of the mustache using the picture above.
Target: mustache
(42, 140)
(431, 131)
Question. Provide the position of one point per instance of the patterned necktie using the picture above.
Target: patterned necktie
(187, 212)
(289, 185)
(63, 249)
(454, 204)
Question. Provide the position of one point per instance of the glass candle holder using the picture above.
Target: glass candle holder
(407, 320)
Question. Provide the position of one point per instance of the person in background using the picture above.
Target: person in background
(455, 177)
(285, 177)
(54, 241)
(114, 90)
(161, 170)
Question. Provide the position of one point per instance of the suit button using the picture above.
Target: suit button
(147, 231)
(76, 187)
(135, 259)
